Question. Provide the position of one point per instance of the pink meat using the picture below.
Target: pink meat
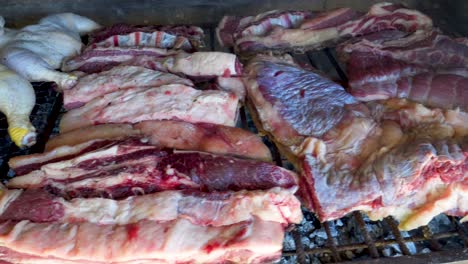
(207, 209)
(256, 241)
(131, 167)
(118, 78)
(175, 101)
(197, 64)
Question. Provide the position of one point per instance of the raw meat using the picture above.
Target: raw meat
(187, 38)
(185, 136)
(398, 159)
(386, 16)
(428, 49)
(436, 89)
(197, 64)
(299, 30)
(177, 241)
(425, 67)
(131, 167)
(91, 86)
(207, 209)
(174, 101)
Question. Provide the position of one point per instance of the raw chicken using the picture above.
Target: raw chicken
(37, 50)
(16, 102)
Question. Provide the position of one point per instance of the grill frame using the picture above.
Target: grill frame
(48, 110)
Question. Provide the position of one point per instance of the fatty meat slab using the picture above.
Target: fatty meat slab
(129, 167)
(304, 30)
(118, 78)
(254, 241)
(203, 137)
(185, 37)
(346, 154)
(206, 209)
(173, 101)
(195, 65)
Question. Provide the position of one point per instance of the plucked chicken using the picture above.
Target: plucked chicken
(35, 51)
(16, 102)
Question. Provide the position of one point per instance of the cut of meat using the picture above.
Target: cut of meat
(425, 67)
(197, 64)
(428, 49)
(188, 38)
(131, 167)
(386, 16)
(213, 209)
(231, 28)
(398, 159)
(299, 30)
(205, 137)
(276, 100)
(175, 101)
(165, 134)
(256, 241)
(118, 78)
(443, 90)
(27, 163)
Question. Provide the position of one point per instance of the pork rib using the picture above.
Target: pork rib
(174, 101)
(130, 167)
(91, 86)
(256, 241)
(183, 37)
(213, 209)
(197, 64)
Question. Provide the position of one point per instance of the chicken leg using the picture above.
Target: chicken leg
(16, 102)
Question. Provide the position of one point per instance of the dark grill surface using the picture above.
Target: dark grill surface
(352, 238)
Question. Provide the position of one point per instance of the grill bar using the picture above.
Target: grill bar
(369, 241)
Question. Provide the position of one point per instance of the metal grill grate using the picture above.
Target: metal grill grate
(352, 238)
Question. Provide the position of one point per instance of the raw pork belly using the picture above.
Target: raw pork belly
(174, 101)
(131, 167)
(185, 136)
(350, 159)
(289, 30)
(197, 64)
(91, 86)
(178, 241)
(214, 209)
(183, 37)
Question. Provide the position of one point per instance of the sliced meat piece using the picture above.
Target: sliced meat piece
(205, 137)
(131, 167)
(231, 28)
(91, 86)
(188, 31)
(25, 164)
(428, 49)
(183, 37)
(385, 16)
(442, 90)
(248, 242)
(213, 209)
(185, 136)
(173, 101)
(197, 64)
